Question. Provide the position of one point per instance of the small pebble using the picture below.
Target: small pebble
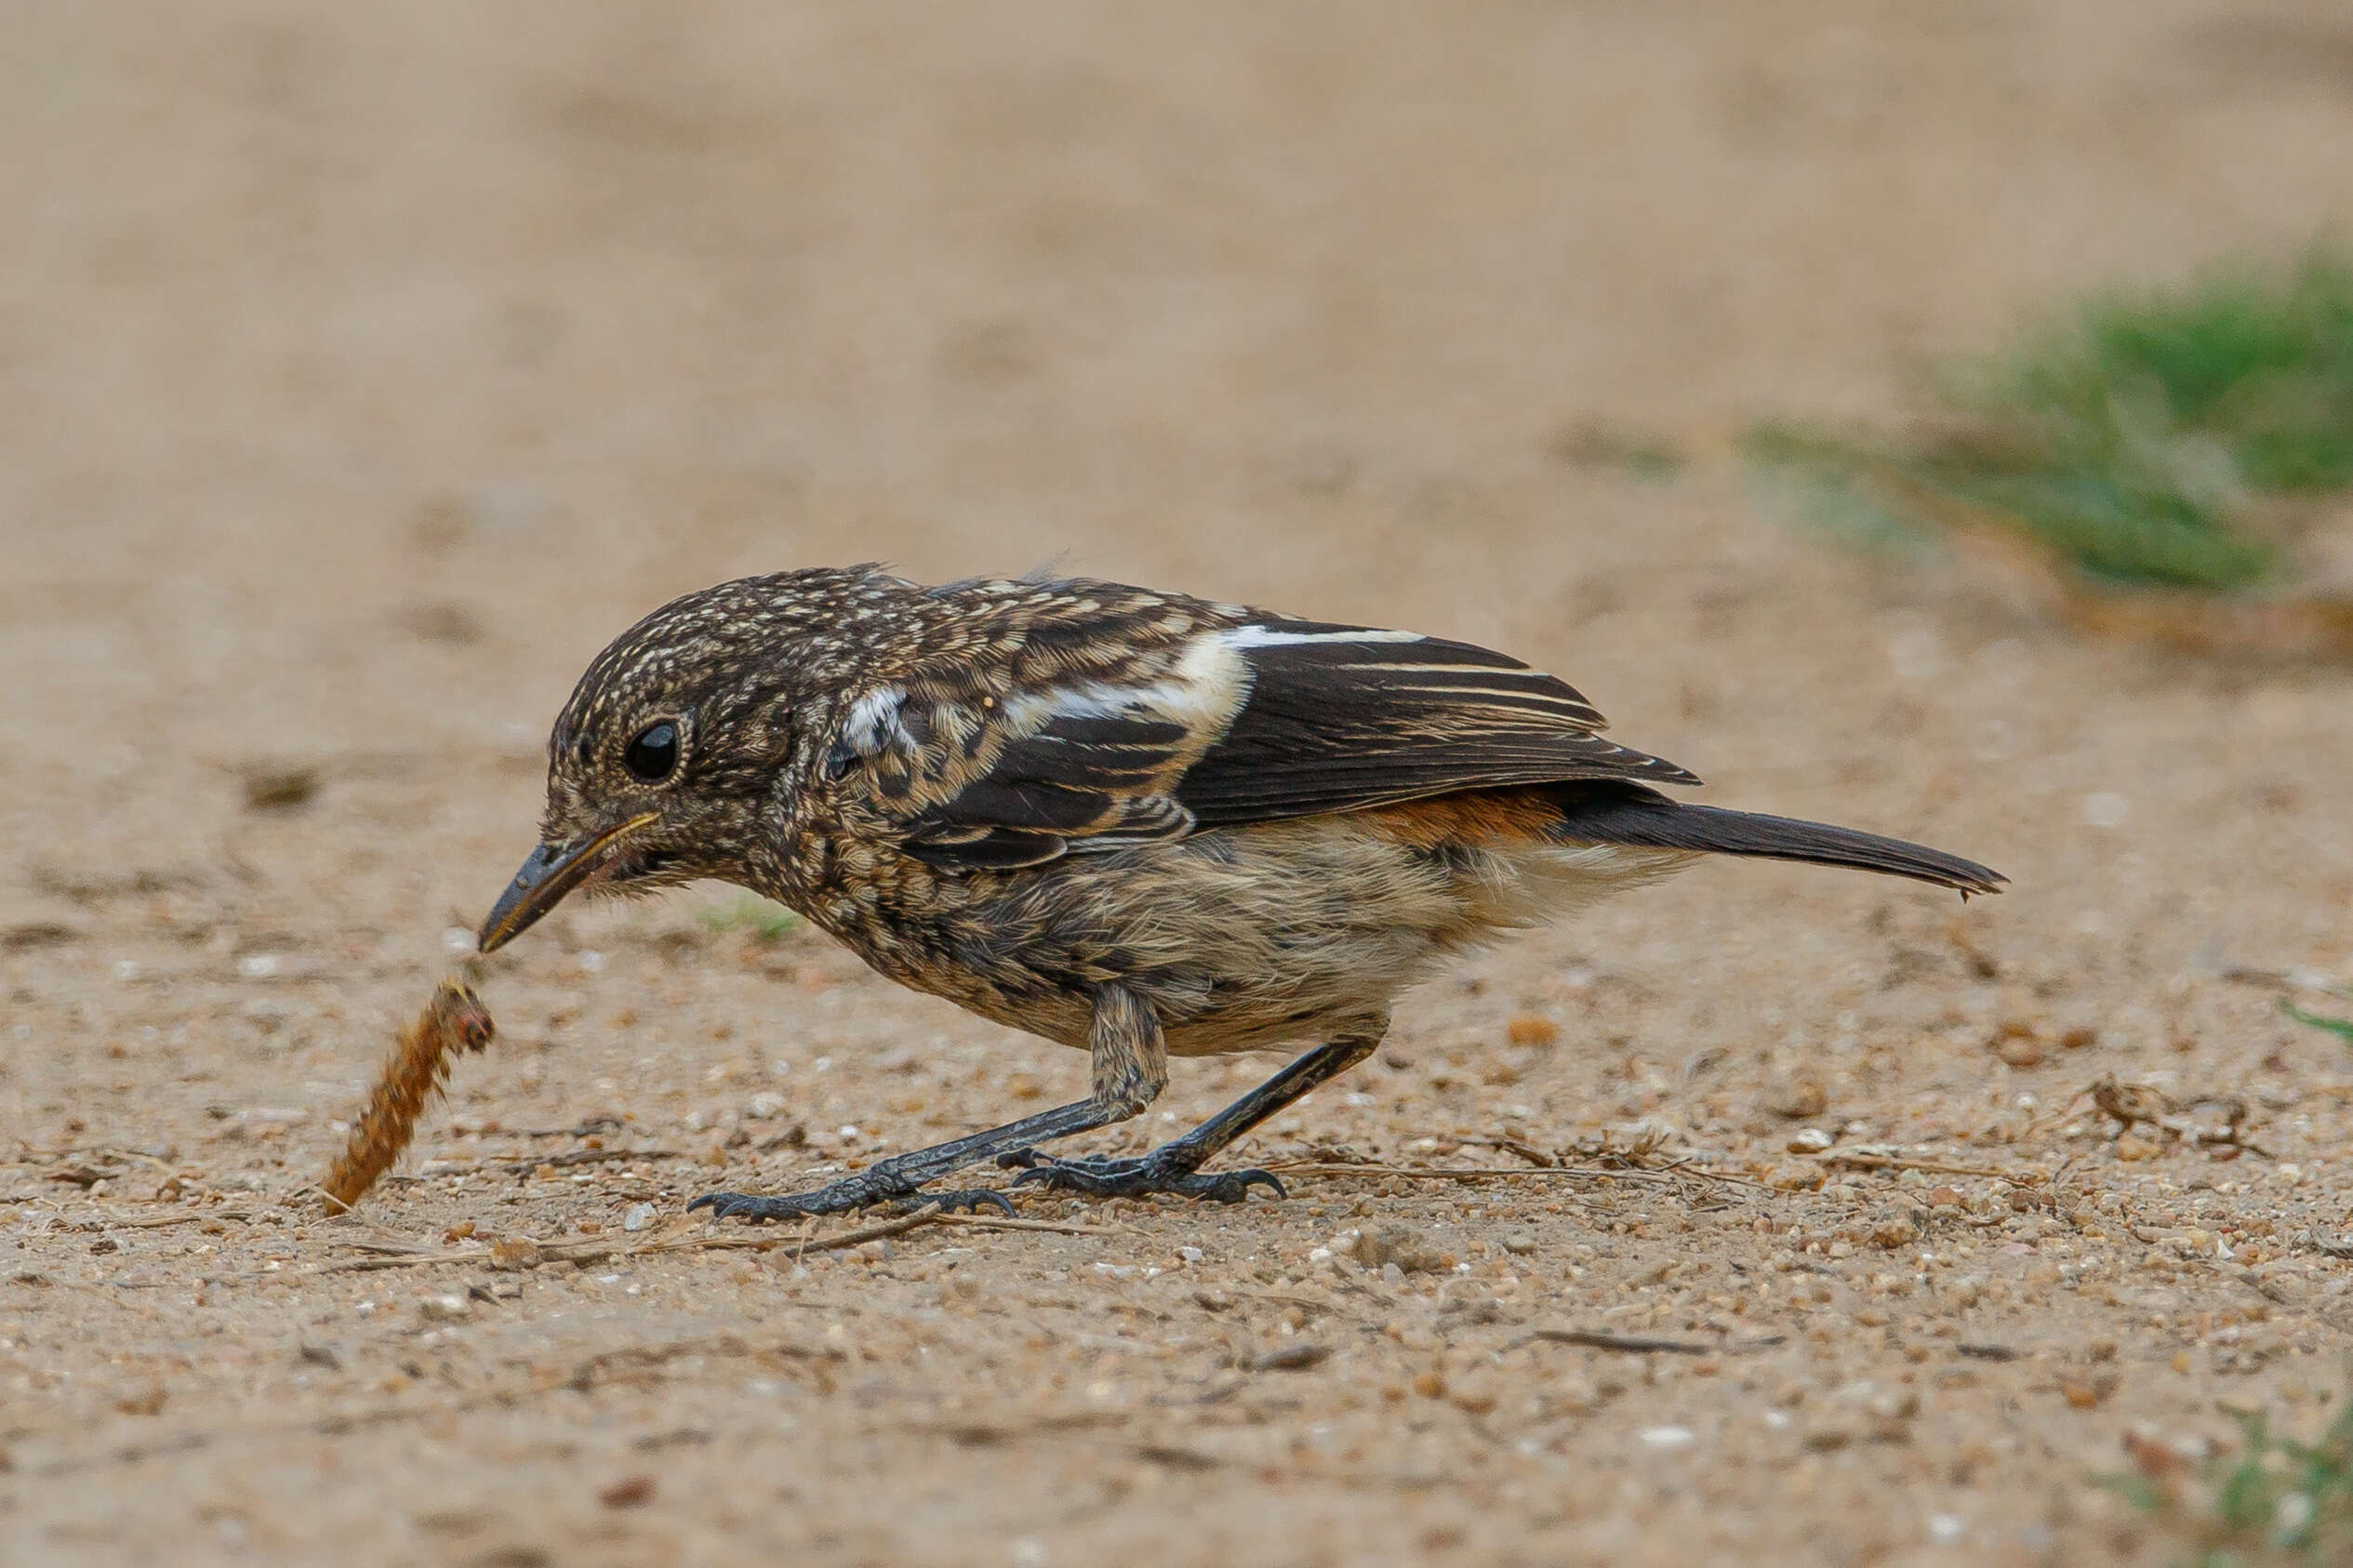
(1796, 1099)
(1532, 1029)
(2019, 1044)
(519, 1252)
(1396, 1246)
(1291, 1357)
(630, 1491)
(2107, 810)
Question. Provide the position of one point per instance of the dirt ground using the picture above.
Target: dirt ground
(364, 369)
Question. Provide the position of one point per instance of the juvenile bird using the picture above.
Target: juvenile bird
(1122, 820)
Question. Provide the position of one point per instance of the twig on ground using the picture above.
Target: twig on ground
(1601, 1339)
(1466, 1173)
(591, 1125)
(1527, 1151)
(594, 1251)
(153, 1222)
(1986, 1352)
(583, 1157)
(1064, 1228)
(1673, 1175)
(1860, 1160)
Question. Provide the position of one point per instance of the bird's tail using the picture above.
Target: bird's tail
(1641, 818)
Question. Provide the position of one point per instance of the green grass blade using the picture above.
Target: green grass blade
(2341, 1027)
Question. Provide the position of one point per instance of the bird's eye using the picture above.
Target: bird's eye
(652, 756)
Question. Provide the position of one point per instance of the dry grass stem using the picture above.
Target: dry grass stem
(393, 1252)
(1601, 1339)
(1864, 1162)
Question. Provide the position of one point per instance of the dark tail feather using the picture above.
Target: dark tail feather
(1633, 815)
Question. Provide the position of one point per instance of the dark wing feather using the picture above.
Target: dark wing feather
(1343, 718)
(1235, 725)
(1095, 779)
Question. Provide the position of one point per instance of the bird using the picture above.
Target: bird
(1135, 822)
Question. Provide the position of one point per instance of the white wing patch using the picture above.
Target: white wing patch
(1201, 695)
(872, 724)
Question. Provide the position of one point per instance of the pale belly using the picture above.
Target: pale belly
(1246, 939)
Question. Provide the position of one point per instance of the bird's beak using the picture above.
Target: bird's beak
(552, 870)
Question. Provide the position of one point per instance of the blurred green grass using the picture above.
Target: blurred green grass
(760, 919)
(2341, 1027)
(2143, 437)
(2272, 1502)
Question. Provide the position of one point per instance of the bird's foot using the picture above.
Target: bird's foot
(869, 1189)
(1103, 1176)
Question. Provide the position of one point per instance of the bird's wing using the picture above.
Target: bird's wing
(1340, 718)
(1232, 724)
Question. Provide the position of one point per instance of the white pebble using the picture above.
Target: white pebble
(1916, 654)
(1668, 1437)
(2106, 808)
(639, 1216)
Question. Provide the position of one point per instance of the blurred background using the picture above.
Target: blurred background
(362, 371)
(1934, 417)
(365, 369)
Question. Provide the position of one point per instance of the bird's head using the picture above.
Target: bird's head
(678, 741)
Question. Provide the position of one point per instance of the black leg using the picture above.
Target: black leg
(1130, 1066)
(1174, 1166)
(902, 1176)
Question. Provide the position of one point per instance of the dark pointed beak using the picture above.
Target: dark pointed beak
(552, 870)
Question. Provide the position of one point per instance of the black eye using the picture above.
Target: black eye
(653, 755)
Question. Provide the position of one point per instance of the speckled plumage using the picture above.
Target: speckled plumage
(1122, 820)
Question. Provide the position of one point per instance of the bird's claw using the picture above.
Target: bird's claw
(1138, 1177)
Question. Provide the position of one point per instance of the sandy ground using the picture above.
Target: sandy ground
(361, 374)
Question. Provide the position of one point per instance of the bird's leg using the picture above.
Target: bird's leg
(1174, 1166)
(1131, 1067)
